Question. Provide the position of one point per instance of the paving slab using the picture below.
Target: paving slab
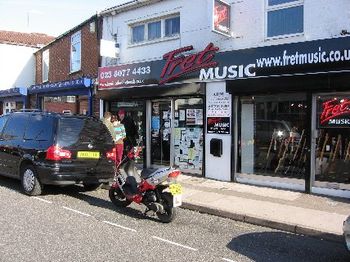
(297, 212)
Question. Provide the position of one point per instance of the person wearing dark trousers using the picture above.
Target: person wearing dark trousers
(130, 129)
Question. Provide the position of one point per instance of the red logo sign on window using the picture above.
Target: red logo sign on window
(178, 65)
(333, 112)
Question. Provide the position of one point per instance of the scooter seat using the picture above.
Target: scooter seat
(145, 173)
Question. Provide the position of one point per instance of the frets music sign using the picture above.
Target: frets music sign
(177, 64)
(335, 112)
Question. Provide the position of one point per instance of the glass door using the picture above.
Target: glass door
(332, 141)
(134, 123)
(161, 132)
(271, 139)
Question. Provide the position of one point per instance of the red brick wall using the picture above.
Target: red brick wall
(59, 107)
(59, 65)
(59, 55)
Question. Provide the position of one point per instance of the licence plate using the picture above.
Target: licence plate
(175, 189)
(88, 154)
(177, 200)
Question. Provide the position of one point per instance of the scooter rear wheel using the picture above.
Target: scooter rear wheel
(169, 211)
(118, 198)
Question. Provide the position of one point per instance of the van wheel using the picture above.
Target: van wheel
(30, 182)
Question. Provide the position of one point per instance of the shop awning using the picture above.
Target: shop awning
(14, 94)
(80, 86)
(155, 91)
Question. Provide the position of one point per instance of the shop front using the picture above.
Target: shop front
(69, 97)
(13, 99)
(291, 116)
(168, 117)
(276, 116)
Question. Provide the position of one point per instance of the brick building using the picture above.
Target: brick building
(66, 70)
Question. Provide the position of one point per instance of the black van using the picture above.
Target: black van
(47, 148)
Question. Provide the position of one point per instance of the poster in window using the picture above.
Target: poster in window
(333, 112)
(190, 117)
(194, 116)
(221, 17)
(182, 115)
(218, 125)
(155, 122)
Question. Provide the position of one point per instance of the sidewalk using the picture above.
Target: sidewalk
(290, 211)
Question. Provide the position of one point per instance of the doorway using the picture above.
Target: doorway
(161, 132)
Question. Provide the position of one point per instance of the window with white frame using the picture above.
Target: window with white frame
(285, 17)
(156, 29)
(45, 65)
(172, 26)
(71, 99)
(75, 52)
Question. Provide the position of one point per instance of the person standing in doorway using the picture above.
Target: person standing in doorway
(119, 140)
(130, 129)
(107, 121)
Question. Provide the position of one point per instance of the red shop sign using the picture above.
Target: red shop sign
(178, 65)
(335, 112)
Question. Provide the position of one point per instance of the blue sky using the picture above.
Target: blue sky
(48, 16)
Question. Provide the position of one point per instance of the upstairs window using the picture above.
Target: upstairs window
(285, 17)
(45, 65)
(172, 26)
(75, 52)
(138, 33)
(155, 30)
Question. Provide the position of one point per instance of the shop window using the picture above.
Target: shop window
(285, 17)
(75, 52)
(188, 134)
(45, 65)
(332, 163)
(272, 140)
(155, 30)
(71, 99)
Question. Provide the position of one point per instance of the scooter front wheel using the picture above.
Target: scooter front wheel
(170, 212)
(118, 198)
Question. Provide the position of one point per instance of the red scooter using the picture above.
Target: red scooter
(156, 189)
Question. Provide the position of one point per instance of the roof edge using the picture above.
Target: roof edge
(134, 4)
(69, 31)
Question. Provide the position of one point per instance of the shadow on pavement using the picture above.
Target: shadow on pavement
(10, 183)
(281, 246)
(77, 192)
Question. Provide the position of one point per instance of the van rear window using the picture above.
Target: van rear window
(74, 131)
(68, 131)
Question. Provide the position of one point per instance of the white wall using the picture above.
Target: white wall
(218, 167)
(322, 19)
(17, 66)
